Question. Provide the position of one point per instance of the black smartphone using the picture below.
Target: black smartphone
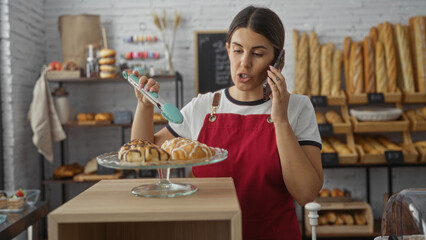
(266, 88)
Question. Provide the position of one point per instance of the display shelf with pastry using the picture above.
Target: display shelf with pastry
(173, 153)
(372, 148)
(343, 219)
(346, 152)
(104, 118)
(333, 195)
(68, 69)
(376, 120)
(417, 118)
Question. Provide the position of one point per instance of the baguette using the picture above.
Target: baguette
(356, 71)
(390, 58)
(389, 144)
(369, 66)
(326, 78)
(418, 26)
(376, 144)
(374, 35)
(339, 146)
(414, 115)
(314, 63)
(295, 36)
(365, 145)
(336, 73)
(333, 117)
(381, 76)
(346, 61)
(301, 77)
(327, 147)
(405, 55)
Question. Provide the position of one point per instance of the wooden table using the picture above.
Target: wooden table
(17, 222)
(108, 210)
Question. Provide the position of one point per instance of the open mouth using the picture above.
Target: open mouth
(243, 77)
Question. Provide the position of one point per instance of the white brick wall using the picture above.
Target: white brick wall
(30, 38)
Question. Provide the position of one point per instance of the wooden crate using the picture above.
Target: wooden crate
(361, 98)
(416, 97)
(410, 156)
(381, 126)
(336, 100)
(63, 74)
(422, 154)
(349, 158)
(346, 126)
(416, 125)
(343, 230)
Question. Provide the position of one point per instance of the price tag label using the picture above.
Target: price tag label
(375, 98)
(319, 101)
(325, 129)
(394, 157)
(330, 159)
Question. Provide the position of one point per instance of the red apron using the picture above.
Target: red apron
(268, 210)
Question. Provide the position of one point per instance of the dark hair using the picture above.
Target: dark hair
(263, 21)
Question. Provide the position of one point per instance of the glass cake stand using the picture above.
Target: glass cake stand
(163, 188)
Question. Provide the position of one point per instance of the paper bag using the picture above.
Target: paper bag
(77, 32)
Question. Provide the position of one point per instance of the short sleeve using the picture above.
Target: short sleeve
(306, 131)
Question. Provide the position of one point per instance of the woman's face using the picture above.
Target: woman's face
(250, 55)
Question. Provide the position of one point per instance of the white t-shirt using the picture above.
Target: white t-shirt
(301, 115)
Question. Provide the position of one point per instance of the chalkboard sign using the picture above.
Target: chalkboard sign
(211, 62)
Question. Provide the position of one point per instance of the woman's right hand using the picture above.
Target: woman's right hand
(149, 85)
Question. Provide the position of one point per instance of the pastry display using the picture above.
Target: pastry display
(67, 171)
(104, 117)
(142, 151)
(185, 149)
(95, 118)
(337, 218)
(107, 63)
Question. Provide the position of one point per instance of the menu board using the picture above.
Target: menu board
(212, 71)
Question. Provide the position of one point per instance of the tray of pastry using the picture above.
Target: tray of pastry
(346, 152)
(173, 153)
(342, 219)
(340, 122)
(421, 149)
(372, 148)
(417, 118)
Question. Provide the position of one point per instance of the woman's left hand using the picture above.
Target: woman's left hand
(280, 95)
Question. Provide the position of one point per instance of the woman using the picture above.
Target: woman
(273, 145)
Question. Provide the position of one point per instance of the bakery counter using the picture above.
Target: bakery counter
(108, 210)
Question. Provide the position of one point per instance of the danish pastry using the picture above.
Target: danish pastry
(142, 151)
(185, 149)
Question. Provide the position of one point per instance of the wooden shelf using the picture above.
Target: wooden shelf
(117, 79)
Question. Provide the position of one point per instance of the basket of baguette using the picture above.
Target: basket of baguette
(417, 118)
(346, 152)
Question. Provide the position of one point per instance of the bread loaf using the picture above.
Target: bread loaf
(346, 61)
(339, 146)
(381, 75)
(348, 219)
(405, 55)
(301, 77)
(389, 144)
(418, 26)
(314, 64)
(360, 219)
(336, 73)
(388, 42)
(326, 78)
(333, 117)
(365, 145)
(356, 70)
(375, 144)
(331, 217)
(339, 220)
(369, 66)
(327, 147)
(320, 118)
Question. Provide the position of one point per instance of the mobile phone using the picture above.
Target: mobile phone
(266, 88)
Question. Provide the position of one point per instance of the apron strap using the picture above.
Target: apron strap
(214, 106)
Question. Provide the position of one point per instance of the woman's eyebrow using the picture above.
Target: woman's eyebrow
(255, 47)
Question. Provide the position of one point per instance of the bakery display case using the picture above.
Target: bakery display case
(404, 217)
